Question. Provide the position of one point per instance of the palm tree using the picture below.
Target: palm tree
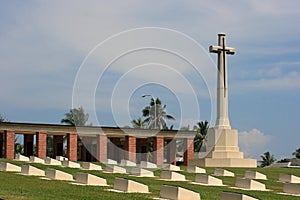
(156, 115)
(297, 153)
(138, 123)
(267, 159)
(76, 117)
(200, 137)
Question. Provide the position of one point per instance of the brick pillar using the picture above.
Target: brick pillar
(189, 150)
(158, 150)
(1, 145)
(171, 151)
(28, 144)
(9, 151)
(41, 144)
(72, 146)
(58, 146)
(130, 148)
(101, 148)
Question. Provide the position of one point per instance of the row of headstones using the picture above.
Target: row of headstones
(248, 183)
(120, 184)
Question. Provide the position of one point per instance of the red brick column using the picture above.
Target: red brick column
(189, 150)
(101, 148)
(41, 144)
(9, 144)
(1, 145)
(58, 145)
(158, 150)
(130, 148)
(72, 146)
(171, 149)
(28, 144)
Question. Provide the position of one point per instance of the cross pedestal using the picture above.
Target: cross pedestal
(222, 141)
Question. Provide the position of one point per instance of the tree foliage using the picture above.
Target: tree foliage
(297, 153)
(267, 159)
(200, 137)
(76, 117)
(138, 123)
(156, 115)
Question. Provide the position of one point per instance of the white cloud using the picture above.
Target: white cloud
(253, 143)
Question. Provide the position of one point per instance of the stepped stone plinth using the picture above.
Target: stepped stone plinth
(141, 172)
(147, 165)
(171, 167)
(67, 163)
(127, 163)
(51, 161)
(172, 176)
(110, 162)
(288, 178)
(235, 196)
(223, 172)
(249, 184)
(32, 171)
(195, 169)
(178, 193)
(35, 159)
(125, 185)
(61, 158)
(58, 175)
(115, 169)
(207, 179)
(255, 175)
(20, 157)
(90, 166)
(292, 188)
(89, 179)
(8, 167)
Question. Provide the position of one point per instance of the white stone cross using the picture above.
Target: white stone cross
(222, 121)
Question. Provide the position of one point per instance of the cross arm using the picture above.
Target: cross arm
(214, 49)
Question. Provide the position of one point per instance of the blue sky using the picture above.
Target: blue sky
(55, 55)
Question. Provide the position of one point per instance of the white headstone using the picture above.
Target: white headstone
(127, 163)
(255, 175)
(288, 178)
(91, 166)
(207, 179)
(235, 196)
(115, 169)
(172, 176)
(148, 165)
(8, 167)
(249, 184)
(58, 175)
(89, 179)
(32, 171)
(292, 188)
(171, 167)
(35, 159)
(67, 163)
(125, 185)
(195, 169)
(20, 157)
(141, 172)
(110, 162)
(51, 161)
(178, 193)
(223, 172)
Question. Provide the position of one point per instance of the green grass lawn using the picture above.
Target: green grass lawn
(16, 186)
